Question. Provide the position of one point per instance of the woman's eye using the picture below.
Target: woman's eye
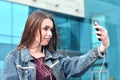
(45, 28)
(52, 29)
(48, 28)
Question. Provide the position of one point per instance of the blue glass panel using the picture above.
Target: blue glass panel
(64, 34)
(20, 14)
(5, 18)
(5, 39)
(16, 40)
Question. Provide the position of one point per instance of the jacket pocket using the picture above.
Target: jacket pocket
(24, 72)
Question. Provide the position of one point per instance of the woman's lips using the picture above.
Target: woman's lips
(47, 39)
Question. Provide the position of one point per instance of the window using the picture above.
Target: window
(97, 75)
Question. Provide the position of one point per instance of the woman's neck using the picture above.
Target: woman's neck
(36, 52)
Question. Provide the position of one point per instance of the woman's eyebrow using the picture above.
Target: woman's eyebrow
(49, 26)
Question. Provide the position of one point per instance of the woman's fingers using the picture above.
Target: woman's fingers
(102, 34)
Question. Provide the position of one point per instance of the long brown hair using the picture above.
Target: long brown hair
(33, 24)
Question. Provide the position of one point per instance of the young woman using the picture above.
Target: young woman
(36, 58)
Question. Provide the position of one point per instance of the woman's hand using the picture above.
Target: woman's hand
(103, 36)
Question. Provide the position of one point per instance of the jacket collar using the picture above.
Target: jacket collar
(25, 55)
(48, 55)
(51, 55)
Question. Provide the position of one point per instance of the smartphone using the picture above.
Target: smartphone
(95, 21)
(96, 25)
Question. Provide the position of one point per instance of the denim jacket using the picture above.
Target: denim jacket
(19, 65)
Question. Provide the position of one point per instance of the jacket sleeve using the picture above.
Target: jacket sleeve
(77, 66)
(9, 69)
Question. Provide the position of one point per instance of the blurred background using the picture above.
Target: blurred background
(74, 21)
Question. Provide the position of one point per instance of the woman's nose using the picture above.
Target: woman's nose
(50, 33)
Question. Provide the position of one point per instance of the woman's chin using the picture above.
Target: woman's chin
(45, 44)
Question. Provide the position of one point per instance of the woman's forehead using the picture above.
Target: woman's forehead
(47, 22)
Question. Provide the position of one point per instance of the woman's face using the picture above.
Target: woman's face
(46, 31)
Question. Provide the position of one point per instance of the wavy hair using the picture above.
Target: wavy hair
(33, 24)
